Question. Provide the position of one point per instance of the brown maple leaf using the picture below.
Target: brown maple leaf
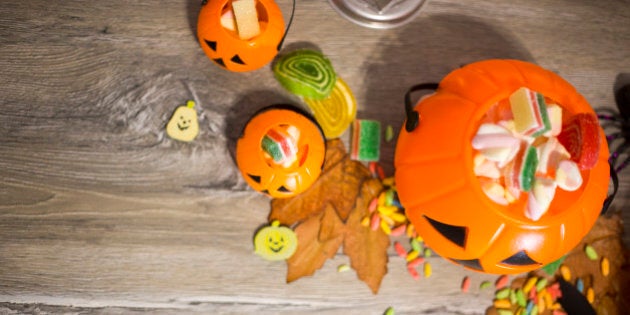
(329, 214)
(312, 252)
(366, 248)
(338, 185)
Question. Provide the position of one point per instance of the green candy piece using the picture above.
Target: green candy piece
(366, 140)
(528, 169)
(551, 268)
(306, 73)
(590, 252)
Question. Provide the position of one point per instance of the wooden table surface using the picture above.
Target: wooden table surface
(101, 212)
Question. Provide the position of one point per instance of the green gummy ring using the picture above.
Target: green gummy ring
(306, 73)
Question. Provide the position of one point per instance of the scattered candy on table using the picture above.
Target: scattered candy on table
(366, 140)
(465, 284)
(590, 252)
(336, 112)
(605, 267)
(307, 73)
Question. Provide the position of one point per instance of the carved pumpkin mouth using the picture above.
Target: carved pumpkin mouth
(276, 249)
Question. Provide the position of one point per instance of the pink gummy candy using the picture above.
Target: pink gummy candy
(580, 136)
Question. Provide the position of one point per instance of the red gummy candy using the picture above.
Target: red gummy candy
(580, 136)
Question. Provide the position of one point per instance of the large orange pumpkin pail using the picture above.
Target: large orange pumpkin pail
(226, 49)
(443, 197)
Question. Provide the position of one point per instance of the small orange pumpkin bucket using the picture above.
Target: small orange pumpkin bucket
(223, 44)
(281, 152)
(440, 187)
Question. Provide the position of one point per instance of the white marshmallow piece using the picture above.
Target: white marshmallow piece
(495, 192)
(496, 143)
(488, 169)
(554, 112)
(568, 175)
(540, 198)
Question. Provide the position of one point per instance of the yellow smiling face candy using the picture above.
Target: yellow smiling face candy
(183, 125)
(275, 242)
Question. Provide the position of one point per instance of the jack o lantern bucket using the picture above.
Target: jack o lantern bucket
(281, 152)
(222, 43)
(442, 193)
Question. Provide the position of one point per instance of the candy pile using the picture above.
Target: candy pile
(280, 145)
(538, 293)
(387, 214)
(310, 75)
(523, 149)
(533, 296)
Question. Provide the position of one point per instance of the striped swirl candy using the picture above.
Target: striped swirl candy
(306, 73)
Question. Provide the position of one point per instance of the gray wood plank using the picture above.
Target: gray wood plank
(102, 213)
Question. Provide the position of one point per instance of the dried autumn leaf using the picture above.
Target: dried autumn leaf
(311, 253)
(366, 248)
(612, 291)
(331, 225)
(338, 185)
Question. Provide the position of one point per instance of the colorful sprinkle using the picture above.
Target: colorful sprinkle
(502, 294)
(579, 285)
(413, 272)
(385, 227)
(415, 245)
(399, 230)
(427, 270)
(513, 296)
(389, 311)
(520, 298)
(529, 284)
(565, 272)
(412, 255)
(427, 252)
(365, 222)
(389, 133)
(343, 268)
(541, 284)
(590, 295)
(505, 312)
(502, 282)
(465, 284)
(504, 303)
(529, 308)
(590, 252)
(416, 262)
(485, 285)
(605, 267)
(373, 205)
(375, 222)
(400, 250)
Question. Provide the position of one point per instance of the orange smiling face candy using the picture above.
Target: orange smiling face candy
(445, 200)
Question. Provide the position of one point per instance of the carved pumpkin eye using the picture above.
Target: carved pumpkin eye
(444, 198)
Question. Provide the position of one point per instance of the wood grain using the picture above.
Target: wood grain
(102, 213)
